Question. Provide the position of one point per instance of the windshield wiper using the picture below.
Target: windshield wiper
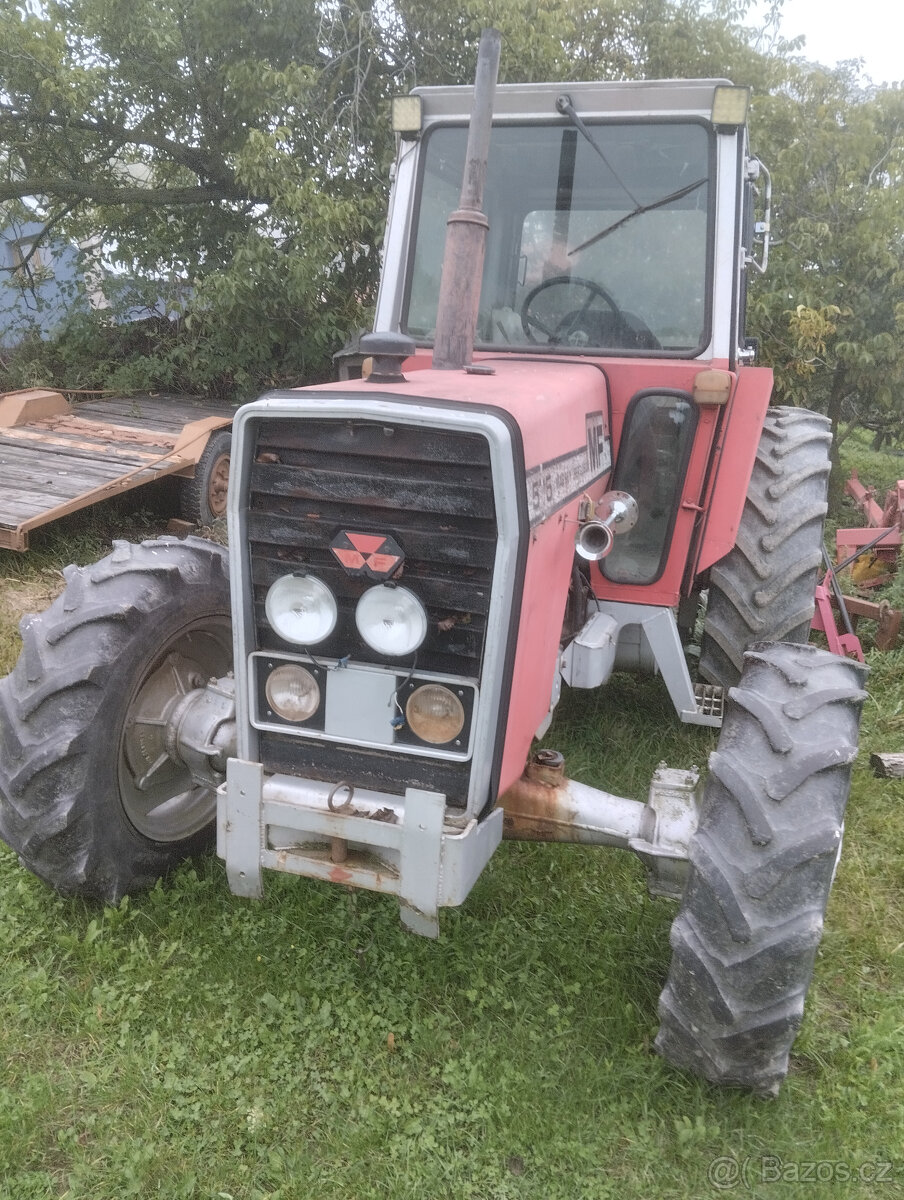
(565, 106)
(638, 211)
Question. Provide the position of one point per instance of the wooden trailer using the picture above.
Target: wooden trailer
(57, 457)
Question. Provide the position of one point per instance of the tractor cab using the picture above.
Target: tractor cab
(620, 234)
(613, 215)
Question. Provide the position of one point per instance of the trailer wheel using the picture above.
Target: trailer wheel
(89, 796)
(763, 589)
(761, 866)
(203, 497)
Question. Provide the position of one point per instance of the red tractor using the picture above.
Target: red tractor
(561, 447)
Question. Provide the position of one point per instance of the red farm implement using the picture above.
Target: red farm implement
(873, 551)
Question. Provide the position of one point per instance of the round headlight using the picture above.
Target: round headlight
(391, 620)
(292, 692)
(434, 714)
(301, 609)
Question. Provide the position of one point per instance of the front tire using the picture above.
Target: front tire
(89, 797)
(763, 589)
(761, 866)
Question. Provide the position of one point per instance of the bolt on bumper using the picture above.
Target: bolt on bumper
(412, 846)
(429, 856)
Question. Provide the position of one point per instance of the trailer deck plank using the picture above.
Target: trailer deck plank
(58, 464)
(158, 412)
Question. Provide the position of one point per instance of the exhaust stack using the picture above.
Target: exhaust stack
(459, 293)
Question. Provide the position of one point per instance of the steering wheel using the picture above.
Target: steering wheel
(571, 329)
(582, 326)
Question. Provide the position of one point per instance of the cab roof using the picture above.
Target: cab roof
(661, 97)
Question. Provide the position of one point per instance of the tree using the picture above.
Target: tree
(236, 152)
(831, 306)
(220, 142)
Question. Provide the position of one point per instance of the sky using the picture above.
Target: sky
(839, 29)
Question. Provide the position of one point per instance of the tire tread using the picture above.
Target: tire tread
(53, 711)
(761, 866)
(763, 589)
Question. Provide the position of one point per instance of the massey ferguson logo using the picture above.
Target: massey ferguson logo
(596, 442)
(372, 554)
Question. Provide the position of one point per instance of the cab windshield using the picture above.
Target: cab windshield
(601, 246)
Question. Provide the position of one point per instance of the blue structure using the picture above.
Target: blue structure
(36, 293)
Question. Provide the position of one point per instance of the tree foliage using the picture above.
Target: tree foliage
(233, 156)
(223, 144)
(831, 308)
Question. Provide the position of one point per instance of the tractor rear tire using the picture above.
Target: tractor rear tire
(761, 867)
(203, 497)
(763, 589)
(89, 797)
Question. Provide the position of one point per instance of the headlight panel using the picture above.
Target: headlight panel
(357, 704)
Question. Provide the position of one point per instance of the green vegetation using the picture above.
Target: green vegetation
(875, 468)
(191, 1044)
(233, 156)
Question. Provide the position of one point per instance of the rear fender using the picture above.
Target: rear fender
(733, 459)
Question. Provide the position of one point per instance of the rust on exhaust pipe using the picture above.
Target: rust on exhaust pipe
(459, 292)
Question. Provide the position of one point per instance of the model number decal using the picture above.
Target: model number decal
(554, 483)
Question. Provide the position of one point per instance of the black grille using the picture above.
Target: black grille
(431, 490)
(378, 770)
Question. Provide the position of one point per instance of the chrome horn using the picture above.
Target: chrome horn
(615, 512)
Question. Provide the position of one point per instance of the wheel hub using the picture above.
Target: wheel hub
(167, 782)
(218, 486)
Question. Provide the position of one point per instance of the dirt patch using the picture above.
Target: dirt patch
(17, 597)
(20, 596)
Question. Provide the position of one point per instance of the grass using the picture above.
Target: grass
(880, 469)
(191, 1044)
